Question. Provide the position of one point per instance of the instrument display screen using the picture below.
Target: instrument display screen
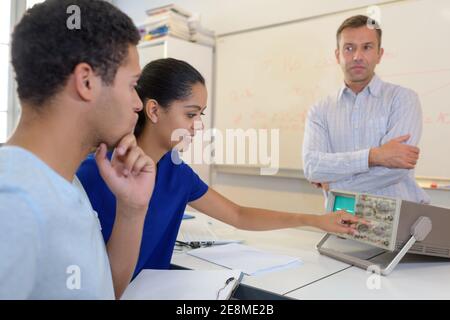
(346, 203)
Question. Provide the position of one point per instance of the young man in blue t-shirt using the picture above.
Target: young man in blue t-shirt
(76, 88)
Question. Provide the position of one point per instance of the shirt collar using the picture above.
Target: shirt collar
(373, 87)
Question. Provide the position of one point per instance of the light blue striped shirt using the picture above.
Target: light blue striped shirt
(341, 129)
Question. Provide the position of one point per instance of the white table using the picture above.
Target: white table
(415, 277)
(292, 242)
(320, 277)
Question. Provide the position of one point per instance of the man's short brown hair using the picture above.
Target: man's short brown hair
(357, 22)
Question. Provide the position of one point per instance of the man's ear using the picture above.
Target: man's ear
(336, 53)
(152, 110)
(85, 81)
(381, 55)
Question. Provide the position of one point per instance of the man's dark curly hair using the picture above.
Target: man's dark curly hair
(45, 51)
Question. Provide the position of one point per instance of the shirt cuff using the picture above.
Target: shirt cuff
(362, 161)
(359, 163)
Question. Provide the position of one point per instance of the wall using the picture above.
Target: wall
(244, 14)
(270, 192)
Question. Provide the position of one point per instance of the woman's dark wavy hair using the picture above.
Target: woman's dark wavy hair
(165, 80)
(45, 51)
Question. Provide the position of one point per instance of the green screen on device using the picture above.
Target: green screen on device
(344, 203)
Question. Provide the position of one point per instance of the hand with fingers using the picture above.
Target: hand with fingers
(130, 175)
(321, 185)
(395, 154)
(339, 222)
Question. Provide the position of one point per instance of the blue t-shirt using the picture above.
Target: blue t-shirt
(176, 185)
(50, 241)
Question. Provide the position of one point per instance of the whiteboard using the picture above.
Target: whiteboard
(269, 78)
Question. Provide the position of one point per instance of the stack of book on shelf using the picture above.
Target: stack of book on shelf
(166, 20)
(174, 21)
(200, 34)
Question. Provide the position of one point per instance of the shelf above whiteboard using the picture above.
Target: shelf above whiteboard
(424, 182)
(256, 171)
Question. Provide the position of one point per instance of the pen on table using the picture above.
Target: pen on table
(198, 244)
(213, 242)
(219, 242)
(188, 216)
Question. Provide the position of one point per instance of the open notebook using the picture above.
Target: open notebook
(183, 285)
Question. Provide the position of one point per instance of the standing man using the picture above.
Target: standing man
(364, 137)
(77, 90)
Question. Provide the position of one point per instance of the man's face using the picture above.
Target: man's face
(119, 103)
(358, 53)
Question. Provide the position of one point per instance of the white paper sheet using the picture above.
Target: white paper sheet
(250, 260)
